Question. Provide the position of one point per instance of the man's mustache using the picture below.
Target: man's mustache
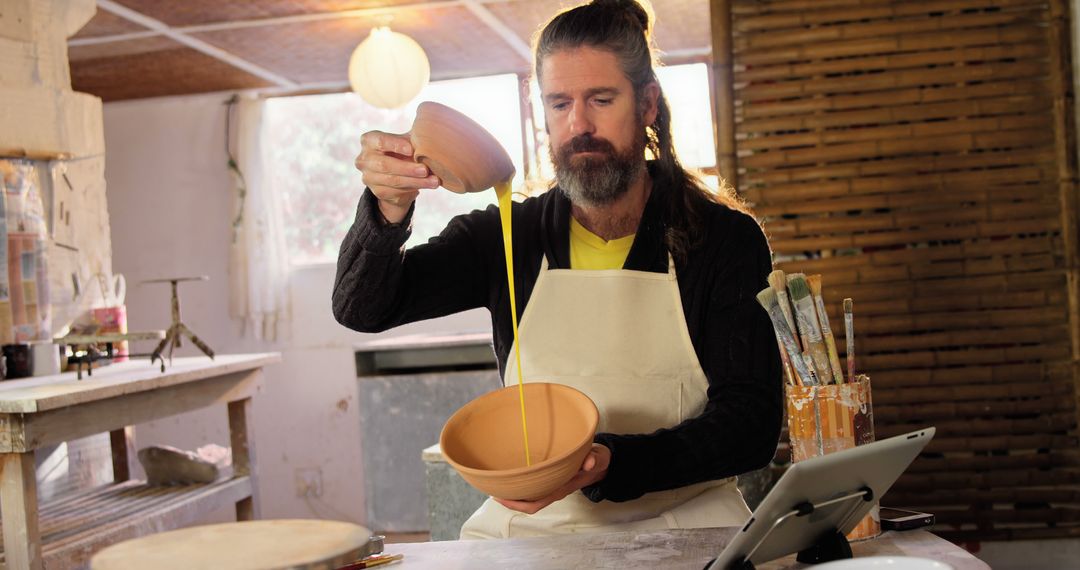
(587, 143)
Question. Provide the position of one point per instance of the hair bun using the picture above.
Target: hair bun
(639, 10)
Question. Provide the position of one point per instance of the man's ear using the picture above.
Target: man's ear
(651, 96)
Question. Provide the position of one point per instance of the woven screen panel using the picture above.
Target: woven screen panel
(152, 74)
(909, 152)
(193, 12)
(527, 18)
(313, 52)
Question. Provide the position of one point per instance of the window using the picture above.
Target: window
(313, 141)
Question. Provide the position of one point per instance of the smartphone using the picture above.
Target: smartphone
(900, 519)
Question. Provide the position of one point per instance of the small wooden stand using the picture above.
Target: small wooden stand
(178, 328)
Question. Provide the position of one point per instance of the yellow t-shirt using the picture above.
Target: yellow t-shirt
(590, 251)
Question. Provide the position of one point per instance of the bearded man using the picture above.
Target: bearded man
(635, 284)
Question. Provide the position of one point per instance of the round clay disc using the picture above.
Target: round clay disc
(249, 545)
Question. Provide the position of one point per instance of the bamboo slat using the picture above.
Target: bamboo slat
(893, 79)
(964, 480)
(974, 252)
(963, 393)
(987, 496)
(915, 144)
(765, 108)
(1065, 144)
(992, 106)
(1028, 533)
(748, 8)
(722, 83)
(876, 46)
(861, 12)
(991, 462)
(1060, 515)
(898, 27)
(963, 338)
(1031, 373)
(929, 413)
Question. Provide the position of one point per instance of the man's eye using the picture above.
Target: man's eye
(560, 106)
(602, 101)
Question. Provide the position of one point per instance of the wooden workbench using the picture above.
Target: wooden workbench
(36, 412)
(672, 549)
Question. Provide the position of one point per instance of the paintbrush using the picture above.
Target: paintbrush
(826, 331)
(786, 362)
(809, 330)
(778, 281)
(768, 299)
(849, 332)
(373, 561)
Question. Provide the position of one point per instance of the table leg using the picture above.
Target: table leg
(19, 508)
(243, 456)
(122, 442)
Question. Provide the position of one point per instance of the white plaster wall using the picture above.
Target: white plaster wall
(170, 198)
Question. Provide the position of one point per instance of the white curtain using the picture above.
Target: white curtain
(259, 264)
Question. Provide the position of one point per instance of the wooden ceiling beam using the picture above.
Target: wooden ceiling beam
(194, 43)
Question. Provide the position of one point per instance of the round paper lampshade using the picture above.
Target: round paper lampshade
(388, 69)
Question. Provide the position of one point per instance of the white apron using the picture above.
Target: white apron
(619, 336)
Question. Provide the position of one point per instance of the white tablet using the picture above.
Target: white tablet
(818, 496)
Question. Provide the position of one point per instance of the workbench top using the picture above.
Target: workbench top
(672, 549)
(43, 393)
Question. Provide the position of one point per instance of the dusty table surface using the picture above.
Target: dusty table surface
(674, 549)
(43, 393)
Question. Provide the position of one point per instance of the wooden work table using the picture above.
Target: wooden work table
(36, 412)
(672, 549)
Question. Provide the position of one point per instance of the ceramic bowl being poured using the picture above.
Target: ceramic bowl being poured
(484, 443)
(464, 156)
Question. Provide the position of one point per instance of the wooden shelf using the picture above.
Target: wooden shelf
(75, 526)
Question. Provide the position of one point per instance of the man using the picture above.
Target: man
(634, 284)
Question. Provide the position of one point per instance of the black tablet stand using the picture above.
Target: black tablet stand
(831, 546)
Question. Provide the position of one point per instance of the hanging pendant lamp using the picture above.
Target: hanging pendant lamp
(388, 69)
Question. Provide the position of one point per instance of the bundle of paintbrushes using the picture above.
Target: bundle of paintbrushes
(807, 347)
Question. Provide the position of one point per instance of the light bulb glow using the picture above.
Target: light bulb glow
(388, 69)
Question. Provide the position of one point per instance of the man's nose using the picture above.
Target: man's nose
(580, 122)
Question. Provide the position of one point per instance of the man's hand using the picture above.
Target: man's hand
(386, 162)
(593, 469)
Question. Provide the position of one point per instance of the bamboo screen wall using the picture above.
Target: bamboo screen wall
(918, 155)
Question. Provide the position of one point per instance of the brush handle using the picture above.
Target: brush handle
(812, 340)
(809, 364)
(830, 342)
(849, 331)
(787, 340)
(785, 307)
(789, 374)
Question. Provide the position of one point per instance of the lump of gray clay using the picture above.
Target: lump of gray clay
(165, 465)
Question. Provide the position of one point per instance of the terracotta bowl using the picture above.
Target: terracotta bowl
(457, 150)
(483, 440)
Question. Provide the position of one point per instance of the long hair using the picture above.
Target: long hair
(622, 27)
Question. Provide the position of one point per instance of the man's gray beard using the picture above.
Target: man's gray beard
(593, 181)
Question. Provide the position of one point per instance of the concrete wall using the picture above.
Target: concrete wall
(170, 198)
